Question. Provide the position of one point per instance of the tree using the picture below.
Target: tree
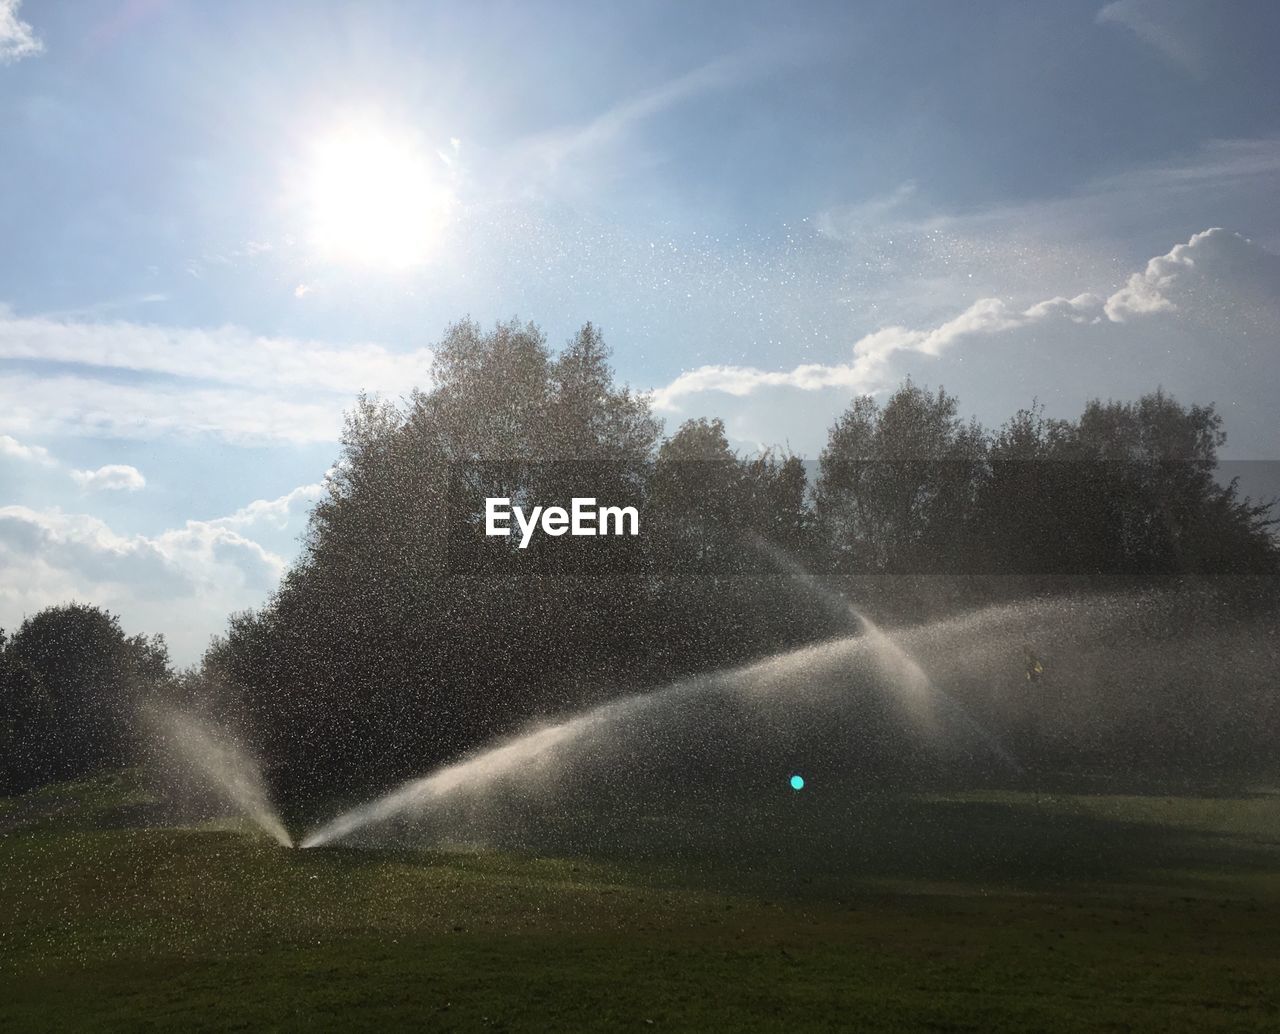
(697, 498)
(777, 491)
(1149, 491)
(1130, 488)
(897, 484)
(71, 679)
(1027, 516)
(404, 636)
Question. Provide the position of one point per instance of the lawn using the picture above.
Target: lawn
(1158, 913)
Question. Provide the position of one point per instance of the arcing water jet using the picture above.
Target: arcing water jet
(784, 680)
(915, 689)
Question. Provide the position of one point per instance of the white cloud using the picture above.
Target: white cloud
(203, 548)
(190, 557)
(1232, 260)
(1199, 320)
(271, 512)
(114, 477)
(182, 582)
(13, 449)
(872, 353)
(17, 40)
(911, 261)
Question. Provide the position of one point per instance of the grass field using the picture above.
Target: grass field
(984, 911)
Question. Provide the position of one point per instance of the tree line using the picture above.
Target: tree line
(402, 637)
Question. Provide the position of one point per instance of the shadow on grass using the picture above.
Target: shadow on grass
(827, 842)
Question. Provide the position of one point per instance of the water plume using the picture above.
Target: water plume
(220, 764)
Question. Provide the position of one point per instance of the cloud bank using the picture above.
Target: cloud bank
(182, 582)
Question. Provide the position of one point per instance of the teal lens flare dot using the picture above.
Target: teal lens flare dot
(797, 782)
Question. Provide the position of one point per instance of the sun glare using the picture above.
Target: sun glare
(376, 198)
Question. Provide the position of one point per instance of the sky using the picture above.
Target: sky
(220, 222)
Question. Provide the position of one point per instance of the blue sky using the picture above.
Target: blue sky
(767, 207)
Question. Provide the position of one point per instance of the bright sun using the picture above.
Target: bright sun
(375, 198)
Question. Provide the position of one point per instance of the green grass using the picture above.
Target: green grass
(1162, 914)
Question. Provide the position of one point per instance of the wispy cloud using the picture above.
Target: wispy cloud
(96, 408)
(100, 308)
(571, 158)
(17, 40)
(610, 126)
(227, 355)
(1161, 24)
(226, 382)
(912, 260)
(1217, 169)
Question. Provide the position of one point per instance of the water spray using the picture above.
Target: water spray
(790, 671)
(916, 690)
(221, 764)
